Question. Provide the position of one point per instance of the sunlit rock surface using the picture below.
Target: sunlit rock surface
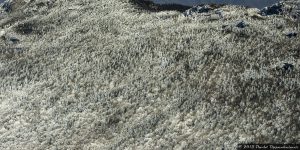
(90, 74)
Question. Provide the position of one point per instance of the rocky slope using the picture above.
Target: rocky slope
(90, 74)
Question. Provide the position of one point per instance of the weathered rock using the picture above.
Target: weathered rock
(220, 13)
(13, 5)
(287, 67)
(2, 33)
(14, 40)
(151, 6)
(242, 24)
(275, 9)
(198, 9)
(291, 34)
(7, 6)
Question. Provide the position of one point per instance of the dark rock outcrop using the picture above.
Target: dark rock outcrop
(291, 34)
(7, 6)
(275, 9)
(150, 6)
(203, 9)
(242, 24)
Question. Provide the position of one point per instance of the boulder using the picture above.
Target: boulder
(242, 24)
(275, 9)
(198, 9)
(287, 67)
(7, 6)
(13, 5)
(14, 40)
(291, 34)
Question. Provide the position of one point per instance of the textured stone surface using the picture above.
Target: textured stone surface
(103, 75)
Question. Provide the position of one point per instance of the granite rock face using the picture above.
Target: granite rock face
(90, 74)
